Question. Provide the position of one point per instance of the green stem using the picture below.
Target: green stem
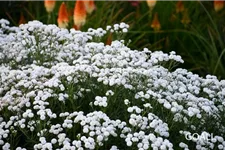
(49, 18)
(218, 61)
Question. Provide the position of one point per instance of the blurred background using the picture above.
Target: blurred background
(193, 29)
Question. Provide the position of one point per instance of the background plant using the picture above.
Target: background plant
(199, 39)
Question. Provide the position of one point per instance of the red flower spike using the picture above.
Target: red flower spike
(89, 6)
(151, 3)
(79, 16)
(179, 7)
(63, 17)
(155, 23)
(49, 5)
(218, 5)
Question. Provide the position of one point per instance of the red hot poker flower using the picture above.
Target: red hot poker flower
(151, 3)
(179, 7)
(79, 16)
(218, 5)
(49, 5)
(89, 6)
(63, 17)
(155, 23)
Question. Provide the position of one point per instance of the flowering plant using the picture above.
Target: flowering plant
(65, 89)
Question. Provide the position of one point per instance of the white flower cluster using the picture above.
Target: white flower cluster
(52, 79)
(100, 101)
(121, 28)
(150, 124)
(38, 43)
(96, 32)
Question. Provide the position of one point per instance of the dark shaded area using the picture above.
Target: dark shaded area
(12, 10)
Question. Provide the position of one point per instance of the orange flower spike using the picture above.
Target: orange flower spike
(22, 19)
(179, 7)
(75, 27)
(49, 5)
(89, 6)
(185, 19)
(63, 17)
(151, 3)
(155, 23)
(173, 18)
(218, 5)
(79, 16)
(109, 40)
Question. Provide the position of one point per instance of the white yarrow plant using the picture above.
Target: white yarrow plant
(66, 89)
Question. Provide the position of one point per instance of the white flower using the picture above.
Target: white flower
(125, 30)
(85, 130)
(6, 146)
(183, 145)
(129, 143)
(109, 92)
(220, 146)
(114, 148)
(138, 110)
(53, 141)
(167, 105)
(126, 102)
(108, 27)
